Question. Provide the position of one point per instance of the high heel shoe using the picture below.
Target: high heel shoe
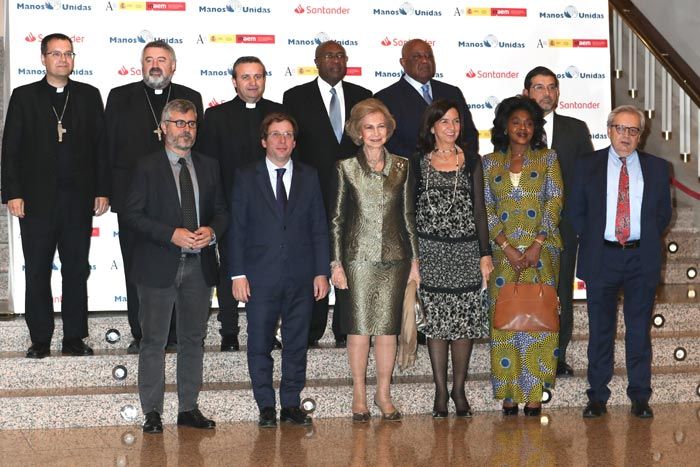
(361, 417)
(394, 416)
(532, 411)
(462, 413)
(510, 411)
(437, 413)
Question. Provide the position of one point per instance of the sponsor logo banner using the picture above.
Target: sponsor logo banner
(234, 6)
(571, 12)
(153, 6)
(321, 10)
(582, 43)
(480, 11)
(242, 38)
(406, 9)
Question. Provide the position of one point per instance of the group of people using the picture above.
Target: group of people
(266, 201)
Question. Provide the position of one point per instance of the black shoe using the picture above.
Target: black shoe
(641, 409)
(594, 409)
(276, 344)
(532, 411)
(439, 413)
(268, 417)
(510, 411)
(39, 350)
(341, 343)
(153, 423)
(229, 343)
(134, 347)
(564, 369)
(194, 419)
(76, 348)
(313, 344)
(294, 415)
(466, 412)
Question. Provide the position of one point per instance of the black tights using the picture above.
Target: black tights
(461, 353)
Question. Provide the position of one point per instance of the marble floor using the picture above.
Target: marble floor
(560, 437)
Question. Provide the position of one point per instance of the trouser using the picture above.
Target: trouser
(565, 289)
(68, 228)
(228, 306)
(190, 296)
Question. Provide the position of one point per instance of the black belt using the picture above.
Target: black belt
(623, 246)
(189, 255)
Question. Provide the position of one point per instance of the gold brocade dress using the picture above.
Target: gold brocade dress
(523, 363)
(373, 236)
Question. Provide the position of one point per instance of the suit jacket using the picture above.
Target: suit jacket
(587, 209)
(130, 128)
(152, 210)
(266, 246)
(30, 146)
(316, 142)
(230, 134)
(364, 202)
(407, 107)
(571, 140)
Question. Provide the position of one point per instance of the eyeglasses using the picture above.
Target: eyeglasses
(338, 56)
(542, 87)
(281, 134)
(57, 54)
(184, 123)
(417, 56)
(630, 130)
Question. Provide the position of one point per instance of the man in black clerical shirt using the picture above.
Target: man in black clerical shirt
(132, 118)
(55, 177)
(231, 134)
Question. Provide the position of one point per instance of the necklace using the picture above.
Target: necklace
(445, 209)
(59, 126)
(157, 131)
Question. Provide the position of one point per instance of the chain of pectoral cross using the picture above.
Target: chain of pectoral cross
(59, 126)
(157, 131)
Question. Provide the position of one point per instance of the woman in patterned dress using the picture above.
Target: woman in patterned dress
(453, 241)
(523, 192)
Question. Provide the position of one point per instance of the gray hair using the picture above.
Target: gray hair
(178, 105)
(627, 109)
(160, 44)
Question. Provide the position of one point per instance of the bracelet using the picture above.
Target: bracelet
(539, 241)
(504, 245)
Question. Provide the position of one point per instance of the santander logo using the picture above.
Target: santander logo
(386, 42)
(213, 103)
(470, 73)
(299, 9)
(123, 71)
(30, 37)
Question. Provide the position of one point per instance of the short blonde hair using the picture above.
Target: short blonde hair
(360, 111)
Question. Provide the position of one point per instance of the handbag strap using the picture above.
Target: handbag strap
(539, 280)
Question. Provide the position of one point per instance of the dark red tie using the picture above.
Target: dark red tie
(622, 219)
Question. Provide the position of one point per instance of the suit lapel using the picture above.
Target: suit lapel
(554, 141)
(646, 176)
(202, 182)
(169, 185)
(602, 180)
(263, 180)
(294, 189)
(320, 109)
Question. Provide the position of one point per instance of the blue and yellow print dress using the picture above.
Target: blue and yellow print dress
(523, 363)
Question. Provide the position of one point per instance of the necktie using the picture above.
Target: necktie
(426, 93)
(334, 113)
(544, 138)
(622, 218)
(189, 210)
(281, 191)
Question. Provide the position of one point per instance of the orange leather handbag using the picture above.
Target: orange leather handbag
(527, 307)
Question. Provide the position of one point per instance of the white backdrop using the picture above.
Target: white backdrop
(485, 48)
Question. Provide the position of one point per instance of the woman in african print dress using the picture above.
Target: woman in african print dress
(523, 194)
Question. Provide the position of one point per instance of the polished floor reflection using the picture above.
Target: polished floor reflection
(558, 438)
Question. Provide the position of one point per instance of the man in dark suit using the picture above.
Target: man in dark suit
(620, 205)
(231, 134)
(321, 107)
(55, 177)
(133, 130)
(176, 208)
(279, 263)
(408, 98)
(570, 138)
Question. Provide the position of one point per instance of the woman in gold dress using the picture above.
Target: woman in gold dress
(374, 251)
(523, 194)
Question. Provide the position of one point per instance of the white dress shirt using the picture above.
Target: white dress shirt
(634, 170)
(418, 86)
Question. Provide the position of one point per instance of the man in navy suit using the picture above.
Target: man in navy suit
(408, 98)
(279, 263)
(620, 206)
(176, 208)
(570, 138)
(321, 107)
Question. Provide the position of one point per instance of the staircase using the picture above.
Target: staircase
(81, 391)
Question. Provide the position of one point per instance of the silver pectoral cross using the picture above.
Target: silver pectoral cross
(60, 130)
(158, 132)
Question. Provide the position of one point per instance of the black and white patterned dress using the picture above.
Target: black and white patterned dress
(451, 241)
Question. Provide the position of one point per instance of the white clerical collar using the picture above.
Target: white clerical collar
(157, 92)
(250, 105)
